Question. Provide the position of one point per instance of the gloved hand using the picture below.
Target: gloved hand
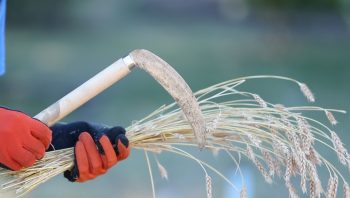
(23, 140)
(93, 148)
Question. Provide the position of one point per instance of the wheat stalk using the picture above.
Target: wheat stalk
(280, 141)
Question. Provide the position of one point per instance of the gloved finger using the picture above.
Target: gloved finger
(123, 152)
(41, 132)
(11, 164)
(82, 162)
(114, 132)
(109, 157)
(34, 146)
(122, 145)
(23, 157)
(81, 179)
(94, 158)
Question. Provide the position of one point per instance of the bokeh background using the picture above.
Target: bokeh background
(54, 46)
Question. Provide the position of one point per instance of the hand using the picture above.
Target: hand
(93, 149)
(23, 140)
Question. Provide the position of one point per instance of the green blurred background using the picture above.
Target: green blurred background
(54, 46)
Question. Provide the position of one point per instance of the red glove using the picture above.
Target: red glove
(23, 140)
(90, 162)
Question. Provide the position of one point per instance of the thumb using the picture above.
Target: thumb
(114, 132)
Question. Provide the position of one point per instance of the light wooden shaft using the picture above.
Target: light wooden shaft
(84, 92)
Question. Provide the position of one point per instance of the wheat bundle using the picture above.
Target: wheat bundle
(280, 141)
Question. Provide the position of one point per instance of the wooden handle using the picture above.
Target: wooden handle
(86, 91)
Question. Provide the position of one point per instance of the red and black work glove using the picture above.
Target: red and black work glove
(23, 140)
(96, 147)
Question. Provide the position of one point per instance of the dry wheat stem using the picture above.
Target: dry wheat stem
(150, 174)
(280, 141)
